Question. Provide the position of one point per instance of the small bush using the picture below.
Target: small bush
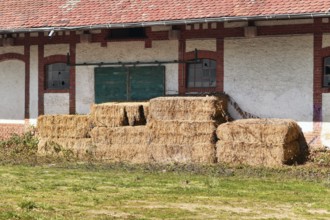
(19, 148)
(27, 205)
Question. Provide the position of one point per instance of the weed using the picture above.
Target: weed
(27, 205)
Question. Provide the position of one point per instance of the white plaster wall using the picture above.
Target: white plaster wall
(125, 52)
(84, 88)
(209, 44)
(12, 77)
(271, 76)
(12, 49)
(54, 49)
(325, 134)
(326, 40)
(56, 103)
(33, 82)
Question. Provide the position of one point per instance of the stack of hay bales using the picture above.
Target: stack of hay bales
(116, 135)
(183, 128)
(260, 142)
(70, 132)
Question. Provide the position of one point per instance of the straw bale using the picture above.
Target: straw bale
(132, 153)
(187, 128)
(182, 139)
(189, 108)
(260, 131)
(197, 153)
(115, 114)
(79, 148)
(135, 112)
(256, 154)
(108, 115)
(121, 135)
(63, 126)
(146, 111)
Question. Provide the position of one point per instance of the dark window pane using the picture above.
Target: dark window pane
(327, 61)
(213, 64)
(57, 76)
(327, 70)
(202, 74)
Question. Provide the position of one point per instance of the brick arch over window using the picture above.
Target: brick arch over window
(12, 56)
(55, 59)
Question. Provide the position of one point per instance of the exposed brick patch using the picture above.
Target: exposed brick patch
(7, 130)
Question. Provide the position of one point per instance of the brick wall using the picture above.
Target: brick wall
(6, 130)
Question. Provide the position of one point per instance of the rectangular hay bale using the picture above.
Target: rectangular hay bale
(63, 126)
(178, 139)
(197, 153)
(132, 153)
(257, 154)
(186, 128)
(108, 115)
(260, 131)
(121, 135)
(189, 108)
(116, 114)
(77, 148)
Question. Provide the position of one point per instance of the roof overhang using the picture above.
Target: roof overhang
(167, 22)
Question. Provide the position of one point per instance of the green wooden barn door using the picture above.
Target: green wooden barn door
(146, 82)
(132, 83)
(110, 84)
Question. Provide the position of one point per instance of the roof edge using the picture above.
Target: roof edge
(167, 22)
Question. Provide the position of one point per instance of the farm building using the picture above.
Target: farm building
(272, 57)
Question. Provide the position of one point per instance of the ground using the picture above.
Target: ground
(53, 188)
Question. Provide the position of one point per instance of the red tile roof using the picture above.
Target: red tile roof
(19, 14)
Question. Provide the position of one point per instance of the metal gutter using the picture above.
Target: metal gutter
(169, 22)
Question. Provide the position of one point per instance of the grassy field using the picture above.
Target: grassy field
(53, 188)
(118, 191)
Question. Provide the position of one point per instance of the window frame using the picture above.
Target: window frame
(324, 72)
(209, 69)
(55, 90)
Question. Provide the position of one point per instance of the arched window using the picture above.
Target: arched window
(201, 74)
(326, 72)
(57, 76)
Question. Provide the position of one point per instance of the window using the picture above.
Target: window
(326, 73)
(127, 33)
(57, 76)
(202, 74)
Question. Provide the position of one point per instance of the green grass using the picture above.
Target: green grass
(119, 191)
(32, 187)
